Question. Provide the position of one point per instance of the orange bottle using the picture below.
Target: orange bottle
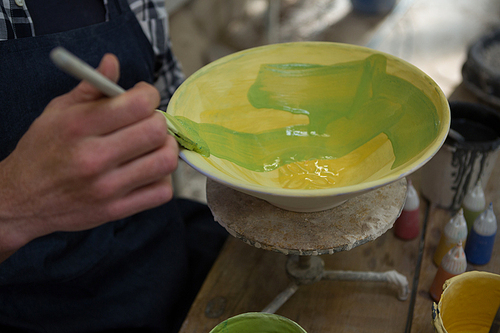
(453, 263)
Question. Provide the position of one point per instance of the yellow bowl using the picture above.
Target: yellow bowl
(468, 303)
(308, 125)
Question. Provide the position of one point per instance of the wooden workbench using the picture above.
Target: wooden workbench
(246, 279)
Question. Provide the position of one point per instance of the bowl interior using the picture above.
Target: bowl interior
(469, 303)
(258, 322)
(311, 119)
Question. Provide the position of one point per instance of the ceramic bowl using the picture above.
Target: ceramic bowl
(261, 322)
(308, 125)
(469, 303)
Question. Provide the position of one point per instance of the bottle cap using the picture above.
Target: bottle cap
(486, 222)
(456, 229)
(454, 262)
(474, 199)
(412, 201)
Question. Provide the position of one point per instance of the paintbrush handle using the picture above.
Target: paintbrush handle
(72, 65)
(76, 67)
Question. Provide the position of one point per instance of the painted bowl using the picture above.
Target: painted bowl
(308, 125)
(258, 322)
(469, 303)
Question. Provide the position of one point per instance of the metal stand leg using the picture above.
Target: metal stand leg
(389, 276)
(281, 298)
(310, 269)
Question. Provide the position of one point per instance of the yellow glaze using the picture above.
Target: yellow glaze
(316, 174)
(312, 115)
(468, 304)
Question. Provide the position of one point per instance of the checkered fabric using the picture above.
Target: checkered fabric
(16, 22)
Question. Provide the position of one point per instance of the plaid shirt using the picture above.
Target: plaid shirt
(16, 22)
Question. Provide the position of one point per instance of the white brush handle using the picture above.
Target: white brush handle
(74, 66)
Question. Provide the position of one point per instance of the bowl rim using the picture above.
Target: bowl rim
(423, 157)
(257, 315)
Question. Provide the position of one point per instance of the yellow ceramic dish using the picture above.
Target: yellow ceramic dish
(308, 125)
(469, 303)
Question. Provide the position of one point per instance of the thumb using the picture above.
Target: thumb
(109, 67)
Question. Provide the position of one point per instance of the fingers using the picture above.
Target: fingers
(92, 113)
(103, 153)
(141, 184)
(107, 115)
(134, 105)
(109, 67)
(138, 173)
(143, 198)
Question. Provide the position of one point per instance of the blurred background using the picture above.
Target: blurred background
(433, 35)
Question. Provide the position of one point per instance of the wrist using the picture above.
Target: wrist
(13, 227)
(11, 239)
(13, 233)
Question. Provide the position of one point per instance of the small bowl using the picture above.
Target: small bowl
(261, 322)
(469, 303)
(308, 125)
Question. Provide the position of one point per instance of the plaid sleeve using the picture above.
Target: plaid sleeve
(15, 21)
(153, 19)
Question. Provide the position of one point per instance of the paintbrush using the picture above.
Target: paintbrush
(76, 67)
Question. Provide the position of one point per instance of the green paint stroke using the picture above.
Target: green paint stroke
(347, 104)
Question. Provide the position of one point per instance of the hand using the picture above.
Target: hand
(86, 160)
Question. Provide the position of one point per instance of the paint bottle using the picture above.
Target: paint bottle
(453, 264)
(407, 226)
(474, 204)
(454, 231)
(480, 242)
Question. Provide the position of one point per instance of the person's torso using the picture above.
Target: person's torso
(56, 275)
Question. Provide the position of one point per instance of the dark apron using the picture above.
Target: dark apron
(138, 273)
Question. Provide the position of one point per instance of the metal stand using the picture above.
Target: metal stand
(304, 270)
(305, 236)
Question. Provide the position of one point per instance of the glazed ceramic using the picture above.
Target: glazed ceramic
(261, 322)
(308, 125)
(468, 303)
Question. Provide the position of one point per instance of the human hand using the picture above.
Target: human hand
(85, 161)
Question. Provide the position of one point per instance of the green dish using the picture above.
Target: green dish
(258, 322)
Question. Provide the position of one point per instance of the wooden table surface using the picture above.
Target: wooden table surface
(246, 279)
